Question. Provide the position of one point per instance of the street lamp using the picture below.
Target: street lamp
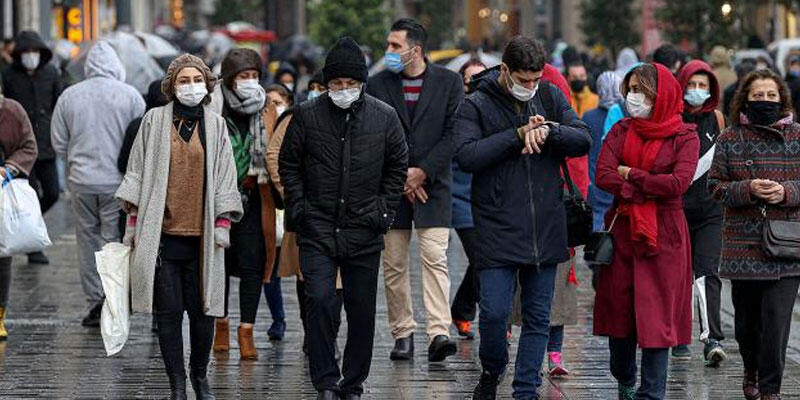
(726, 9)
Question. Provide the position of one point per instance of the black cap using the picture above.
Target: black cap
(345, 60)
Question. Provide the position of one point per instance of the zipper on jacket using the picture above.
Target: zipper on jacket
(533, 208)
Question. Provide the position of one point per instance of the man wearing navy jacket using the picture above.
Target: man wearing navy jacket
(513, 134)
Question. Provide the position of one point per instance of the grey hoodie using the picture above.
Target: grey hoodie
(90, 119)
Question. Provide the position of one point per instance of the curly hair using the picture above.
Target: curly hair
(739, 102)
(648, 81)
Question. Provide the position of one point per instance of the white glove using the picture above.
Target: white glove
(222, 237)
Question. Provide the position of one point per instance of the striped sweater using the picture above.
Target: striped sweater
(775, 155)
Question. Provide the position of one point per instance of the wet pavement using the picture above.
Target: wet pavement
(50, 355)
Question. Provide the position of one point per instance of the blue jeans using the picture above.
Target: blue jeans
(556, 339)
(497, 292)
(654, 368)
(273, 294)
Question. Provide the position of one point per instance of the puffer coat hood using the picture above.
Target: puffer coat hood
(27, 41)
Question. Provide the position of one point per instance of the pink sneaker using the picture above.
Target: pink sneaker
(556, 365)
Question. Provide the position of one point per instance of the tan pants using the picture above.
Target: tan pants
(435, 281)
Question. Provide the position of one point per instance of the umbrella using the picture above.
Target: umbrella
(487, 59)
(140, 67)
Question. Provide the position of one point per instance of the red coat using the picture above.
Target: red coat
(648, 296)
(578, 166)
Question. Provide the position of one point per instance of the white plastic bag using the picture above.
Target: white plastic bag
(22, 228)
(113, 265)
(279, 228)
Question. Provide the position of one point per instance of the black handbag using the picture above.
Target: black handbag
(779, 238)
(599, 250)
(579, 214)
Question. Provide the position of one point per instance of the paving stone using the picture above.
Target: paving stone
(50, 356)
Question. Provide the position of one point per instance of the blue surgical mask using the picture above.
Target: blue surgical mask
(394, 61)
(313, 94)
(696, 97)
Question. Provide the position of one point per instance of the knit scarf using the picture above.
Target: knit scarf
(257, 134)
(643, 142)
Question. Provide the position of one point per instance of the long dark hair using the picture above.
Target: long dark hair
(740, 98)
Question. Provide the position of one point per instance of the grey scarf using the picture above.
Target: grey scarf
(258, 148)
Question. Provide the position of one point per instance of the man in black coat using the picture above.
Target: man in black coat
(425, 96)
(513, 134)
(36, 84)
(343, 164)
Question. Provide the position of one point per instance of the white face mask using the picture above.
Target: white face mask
(289, 86)
(280, 110)
(247, 88)
(520, 92)
(191, 94)
(345, 97)
(637, 105)
(30, 60)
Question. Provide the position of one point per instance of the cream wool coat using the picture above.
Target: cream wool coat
(145, 187)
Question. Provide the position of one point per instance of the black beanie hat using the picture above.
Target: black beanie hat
(317, 78)
(345, 60)
(238, 60)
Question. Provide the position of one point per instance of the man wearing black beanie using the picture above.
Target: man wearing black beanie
(343, 165)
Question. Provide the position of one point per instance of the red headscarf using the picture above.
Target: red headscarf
(643, 141)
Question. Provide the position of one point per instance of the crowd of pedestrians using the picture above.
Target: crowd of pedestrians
(693, 170)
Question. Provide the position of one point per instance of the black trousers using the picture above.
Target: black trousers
(44, 178)
(706, 236)
(654, 367)
(247, 255)
(360, 287)
(465, 303)
(301, 300)
(763, 318)
(177, 289)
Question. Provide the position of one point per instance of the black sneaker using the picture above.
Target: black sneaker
(38, 258)
(487, 387)
(92, 319)
(713, 353)
(682, 352)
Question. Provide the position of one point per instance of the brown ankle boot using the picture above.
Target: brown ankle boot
(3, 333)
(222, 336)
(750, 385)
(247, 347)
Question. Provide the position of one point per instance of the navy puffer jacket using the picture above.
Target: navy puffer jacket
(517, 200)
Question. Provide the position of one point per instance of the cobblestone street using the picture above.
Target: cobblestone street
(49, 355)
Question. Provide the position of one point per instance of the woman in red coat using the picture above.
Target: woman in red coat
(644, 297)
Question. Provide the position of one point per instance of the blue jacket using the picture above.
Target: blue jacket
(517, 200)
(462, 205)
(598, 199)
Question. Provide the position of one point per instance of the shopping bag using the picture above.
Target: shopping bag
(22, 228)
(113, 265)
(279, 228)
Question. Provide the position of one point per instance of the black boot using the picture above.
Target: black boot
(441, 347)
(201, 388)
(487, 387)
(403, 348)
(327, 395)
(177, 388)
